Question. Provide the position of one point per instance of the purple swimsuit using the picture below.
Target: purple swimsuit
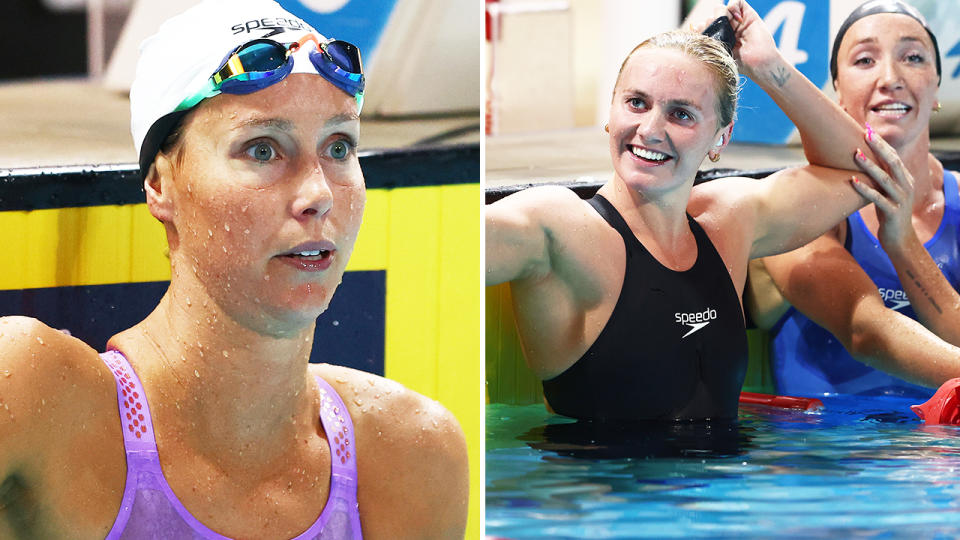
(150, 509)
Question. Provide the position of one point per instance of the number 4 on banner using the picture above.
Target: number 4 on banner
(789, 15)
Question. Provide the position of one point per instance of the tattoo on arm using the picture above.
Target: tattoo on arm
(780, 76)
(924, 291)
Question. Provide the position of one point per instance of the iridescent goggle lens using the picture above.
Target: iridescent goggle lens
(260, 63)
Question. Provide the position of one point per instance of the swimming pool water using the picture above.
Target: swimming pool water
(864, 467)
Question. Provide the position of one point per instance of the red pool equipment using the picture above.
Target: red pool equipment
(943, 407)
(784, 402)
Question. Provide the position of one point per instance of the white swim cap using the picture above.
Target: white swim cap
(178, 61)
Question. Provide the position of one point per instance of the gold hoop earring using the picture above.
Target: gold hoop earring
(714, 157)
(606, 127)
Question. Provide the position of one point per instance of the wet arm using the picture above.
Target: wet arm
(761, 297)
(823, 281)
(934, 300)
(830, 136)
(19, 444)
(516, 240)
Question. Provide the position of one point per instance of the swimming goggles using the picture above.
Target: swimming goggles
(257, 64)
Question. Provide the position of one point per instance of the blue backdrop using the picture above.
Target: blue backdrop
(360, 22)
(801, 30)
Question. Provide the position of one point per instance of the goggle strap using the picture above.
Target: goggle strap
(209, 90)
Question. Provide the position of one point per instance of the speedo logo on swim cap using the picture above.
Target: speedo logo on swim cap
(277, 24)
(695, 321)
(896, 297)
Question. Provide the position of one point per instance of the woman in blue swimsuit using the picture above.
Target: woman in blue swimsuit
(628, 306)
(847, 312)
(206, 420)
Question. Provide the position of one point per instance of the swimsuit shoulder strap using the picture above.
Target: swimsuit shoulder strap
(341, 516)
(138, 433)
(951, 197)
(610, 214)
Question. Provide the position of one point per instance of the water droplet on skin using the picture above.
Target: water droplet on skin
(416, 411)
(246, 231)
(6, 373)
(40, 340)
(226, 227)
(209, 233)
(341, 381)
(266, 277)
(197, 373)
(224, 249)
(435, 424)
(358, 401)
(188, 302)
(244, 208)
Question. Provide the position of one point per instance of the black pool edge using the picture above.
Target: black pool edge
(950, 160)
(97, 185)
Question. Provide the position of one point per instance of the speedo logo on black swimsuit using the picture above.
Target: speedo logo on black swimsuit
(895, 298)
(695, 321)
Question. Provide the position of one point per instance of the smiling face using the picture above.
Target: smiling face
(887, 77)
(663, 119)
(262, 200)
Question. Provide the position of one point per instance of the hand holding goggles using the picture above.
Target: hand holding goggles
(257, 64)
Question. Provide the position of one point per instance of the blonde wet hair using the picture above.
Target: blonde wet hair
(713, 55)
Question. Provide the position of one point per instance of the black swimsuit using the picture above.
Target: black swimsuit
(675, 346)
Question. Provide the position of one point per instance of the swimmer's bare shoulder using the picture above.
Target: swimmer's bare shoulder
(62, 465)
(411, 458)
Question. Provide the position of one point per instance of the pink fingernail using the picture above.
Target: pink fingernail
(860, 155)
(854, 179)
(869, 132)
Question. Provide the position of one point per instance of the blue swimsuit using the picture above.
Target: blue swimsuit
(807, 359)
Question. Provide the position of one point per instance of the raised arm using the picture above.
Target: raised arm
(829, 135)
(823, 281)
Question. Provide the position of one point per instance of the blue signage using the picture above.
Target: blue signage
(801, 31)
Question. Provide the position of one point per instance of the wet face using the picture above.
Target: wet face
(663, 119)
(266, 200)
(887, 76)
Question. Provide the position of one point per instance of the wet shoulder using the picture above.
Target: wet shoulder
(47, 375)
(551, 204)
(50, 359)
(415, 450)
(53, 389)
(722, 198)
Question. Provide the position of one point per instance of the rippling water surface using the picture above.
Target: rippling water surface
(861, 468)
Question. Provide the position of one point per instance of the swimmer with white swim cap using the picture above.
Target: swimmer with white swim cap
(246, 121)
